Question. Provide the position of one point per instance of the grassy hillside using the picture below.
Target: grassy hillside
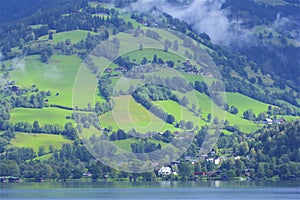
(127, 114)
(72, 84)
(43, 116)
(75, 36)
(178, 111)
(244, 103)
(125, 144)
(34, 141)
(58, 76)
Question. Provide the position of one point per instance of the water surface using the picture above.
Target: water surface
(162, 190)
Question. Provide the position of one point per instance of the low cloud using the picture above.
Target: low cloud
(287, 26)
(53, 74)
(1, 57)
(19, 64)
(204, 15)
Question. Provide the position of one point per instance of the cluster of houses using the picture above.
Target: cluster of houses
(118, 69)
(170, 169)
(9, 179)
(188, 68)
(173, 167)
(269, 121)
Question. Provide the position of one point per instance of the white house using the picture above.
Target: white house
(268, 121)
(165, 171)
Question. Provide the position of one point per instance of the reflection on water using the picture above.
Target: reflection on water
(159, 190)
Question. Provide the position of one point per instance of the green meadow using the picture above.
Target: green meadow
(34, 141)
(43, 116)
(138, 55)
(57, 76)
(244, 103)
(127, 115)
(207, 106)
(134, 23)
(75, 36)
(178, 111)
(200, 100)
(125, 144)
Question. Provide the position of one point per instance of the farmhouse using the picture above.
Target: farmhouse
(280, 121)
(165, 171)
(120, 69)
(268, 121)
(108, 70)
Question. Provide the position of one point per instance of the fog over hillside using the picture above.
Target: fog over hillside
(204, 15)
(211, 17)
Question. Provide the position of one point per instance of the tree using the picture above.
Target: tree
(170, 119)
(182, 124)
(68, 42)
(64, 173)
(184, 101)
(50, 37)
(166, 48)
(216, 120)
(234, 110)
(189, 125)
(36, 127)
(199, 112)
(253, 80)
(249, 115)
(77, 173)
(244, 149)
(70, 131)
(96, 171)
(144, 61)
(186, 170)
(44, 57)
(154, 60)
(260, 170)
(51, 149)
(41, 151)
(209, 117)
(194, 108)
(175, 45)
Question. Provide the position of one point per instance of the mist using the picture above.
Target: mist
(205, 16)
(1, 57)
(19, 64)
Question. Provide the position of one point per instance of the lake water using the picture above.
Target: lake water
(162, 190)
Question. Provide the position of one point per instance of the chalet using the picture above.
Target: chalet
(87, 174)
(175, 163)
(165, 171)
(218, 161)
(120, 69)
(191, 71)
(187, 63)
(268, 121)
(280, 121)
(190, 159)
(14, 180)
(108, 70)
